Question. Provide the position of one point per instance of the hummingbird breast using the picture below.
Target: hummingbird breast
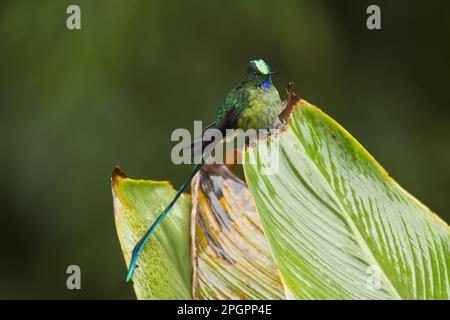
(262, 109)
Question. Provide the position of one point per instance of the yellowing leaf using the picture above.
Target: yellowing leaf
(163, 270)
(231, 257)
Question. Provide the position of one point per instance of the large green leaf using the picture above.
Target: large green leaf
(231, 257)
(338, 225)
(164, 269)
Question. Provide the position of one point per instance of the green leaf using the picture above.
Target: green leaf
(163, 270)
(338, 225)
(231, 257)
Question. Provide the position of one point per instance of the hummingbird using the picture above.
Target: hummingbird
(254, 103)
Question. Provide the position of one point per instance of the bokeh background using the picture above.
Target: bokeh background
(73, 104)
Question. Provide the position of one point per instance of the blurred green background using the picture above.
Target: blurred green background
(73, 104)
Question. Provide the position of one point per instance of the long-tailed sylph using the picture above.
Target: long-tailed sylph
(254, 103)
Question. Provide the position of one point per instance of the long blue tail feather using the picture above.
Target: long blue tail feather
(140, 245)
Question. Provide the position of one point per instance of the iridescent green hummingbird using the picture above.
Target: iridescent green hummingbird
(254, 103)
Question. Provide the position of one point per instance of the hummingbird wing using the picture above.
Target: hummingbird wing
(230, 118)
(228, 121)
(197, 145)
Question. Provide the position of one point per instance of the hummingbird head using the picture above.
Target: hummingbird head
(259, 73)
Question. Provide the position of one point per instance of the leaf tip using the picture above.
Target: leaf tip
(290, 103)
(117, 175)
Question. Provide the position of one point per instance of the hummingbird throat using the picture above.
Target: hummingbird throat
(265, 84)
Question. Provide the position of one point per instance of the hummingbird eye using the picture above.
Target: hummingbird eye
(253, 71)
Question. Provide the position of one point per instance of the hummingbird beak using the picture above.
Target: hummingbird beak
(273, 72)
